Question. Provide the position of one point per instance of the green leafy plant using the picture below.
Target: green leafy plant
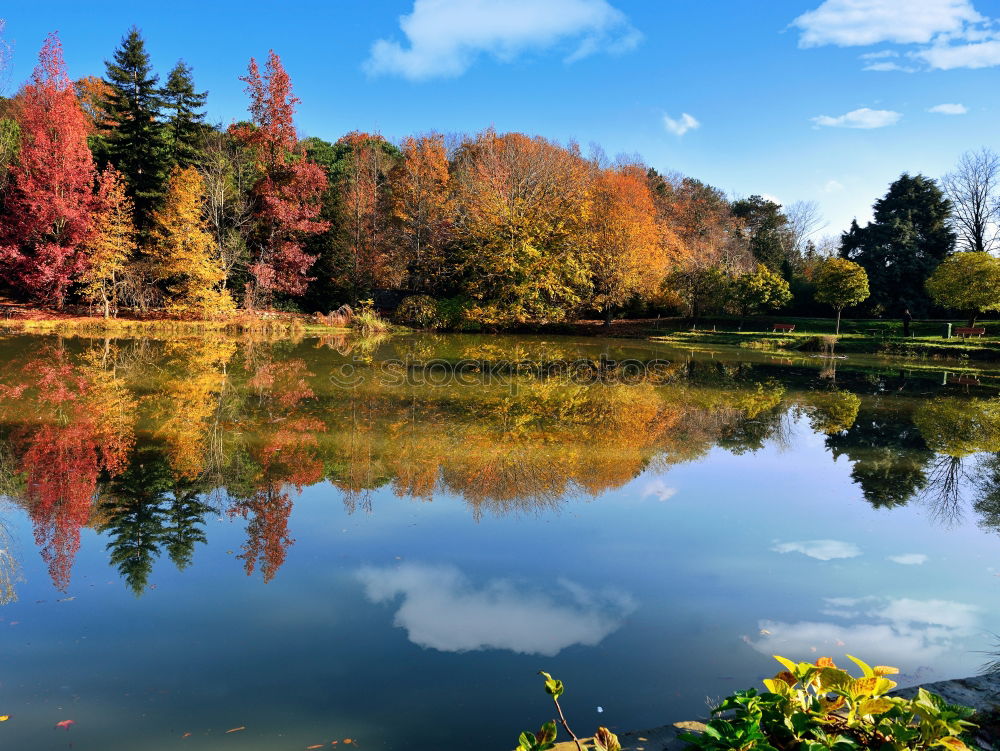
(820, 707)
(545, 738)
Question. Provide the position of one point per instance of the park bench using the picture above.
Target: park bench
(966, 331)
(788, 327)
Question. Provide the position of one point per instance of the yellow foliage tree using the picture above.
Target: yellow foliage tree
(111, 243)
(185, 253)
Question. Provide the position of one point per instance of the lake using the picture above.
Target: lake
(385, 540)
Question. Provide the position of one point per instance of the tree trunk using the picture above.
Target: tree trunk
(607, 318)
(837, 332)
(972, 319)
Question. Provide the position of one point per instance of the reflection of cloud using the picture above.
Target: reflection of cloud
(900, 631)
(443, 610)
(659, 490)
(821, 550)
(909, 559)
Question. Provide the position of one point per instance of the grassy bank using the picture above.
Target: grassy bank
(871, 337)
(264, 325)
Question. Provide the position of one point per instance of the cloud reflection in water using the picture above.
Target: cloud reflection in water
(442, 609)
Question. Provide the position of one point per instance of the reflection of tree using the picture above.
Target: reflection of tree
(190, 396)
(83, 424)
(888, 455)
(987, 502)
(10, 567)
(832, 411)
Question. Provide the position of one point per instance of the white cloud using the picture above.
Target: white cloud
(821, 550)
(444, 37)
(681, 125)
(833, 186)
(658, 489)
(879, 55)
(884, 67)
(862, 118)
(848, 23)
(900, 632)
(909, 559)
(441, 609)
(947, 57)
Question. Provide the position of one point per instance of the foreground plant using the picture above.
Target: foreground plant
(545, 738)
(814, 707)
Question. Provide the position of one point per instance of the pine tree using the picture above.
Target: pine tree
(184, 251)
(185, 121)
(135, 142)
(907, 239)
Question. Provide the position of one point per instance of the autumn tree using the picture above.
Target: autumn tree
(184, 251)
(423, 206)
(840, 283)
(92, 92)
(967, 281)
(627, 255)
(521, 215)
(48, 202)
(185, 120)
(287, 195)
(135, 142)
(111, 244)
(761, 289)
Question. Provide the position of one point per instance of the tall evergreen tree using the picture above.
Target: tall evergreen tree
(909, 236)
(766, 231)
(185, 120)
(135, 142)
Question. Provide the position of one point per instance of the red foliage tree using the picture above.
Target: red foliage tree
(47, 208)
(287, 196)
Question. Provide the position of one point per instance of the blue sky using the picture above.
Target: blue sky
(820, 100)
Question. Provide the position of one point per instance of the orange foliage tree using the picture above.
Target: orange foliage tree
(629, 254)
(422, 205)
(365, 209)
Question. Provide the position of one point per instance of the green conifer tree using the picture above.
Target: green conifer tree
(135, 143)
(185, 120)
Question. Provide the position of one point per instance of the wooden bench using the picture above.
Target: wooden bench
(787, 327)
(966, 331)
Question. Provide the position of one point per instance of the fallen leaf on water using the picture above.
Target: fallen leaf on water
(65, 724)
(4, 717)
(186, 735)
(310, 748)
(348, 740)
(236, 730)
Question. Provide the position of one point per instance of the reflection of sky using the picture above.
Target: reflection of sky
(441, 609)
(435, 628)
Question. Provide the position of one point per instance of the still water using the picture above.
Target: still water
(384, 541)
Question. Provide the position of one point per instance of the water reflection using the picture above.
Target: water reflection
(143, 440)
(443, 610)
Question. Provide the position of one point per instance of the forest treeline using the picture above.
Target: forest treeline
(116, 192)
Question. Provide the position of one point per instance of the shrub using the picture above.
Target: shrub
(419, 311)
(367, 320)
(818, 707)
